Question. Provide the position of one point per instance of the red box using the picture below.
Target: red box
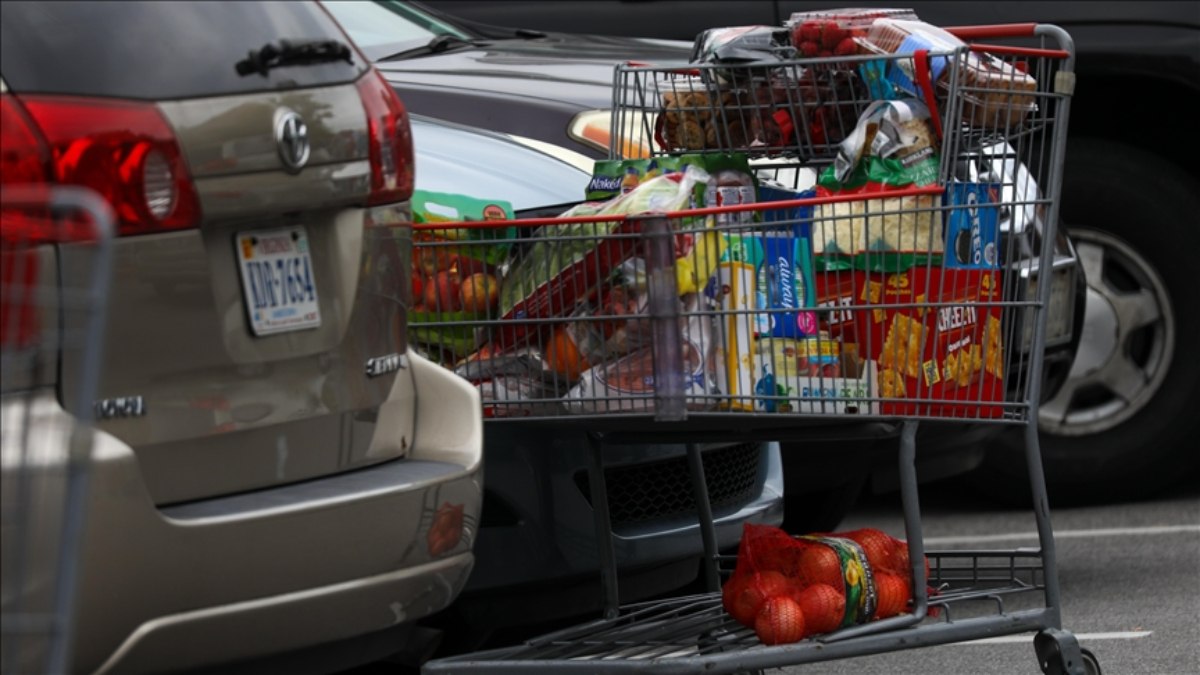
(941, 344)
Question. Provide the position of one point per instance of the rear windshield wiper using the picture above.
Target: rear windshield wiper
(288, 53)
(436, 45)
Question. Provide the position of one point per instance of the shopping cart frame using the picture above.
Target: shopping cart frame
(87, 308)
(647, 637)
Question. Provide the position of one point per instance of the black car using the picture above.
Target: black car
(1121, 426)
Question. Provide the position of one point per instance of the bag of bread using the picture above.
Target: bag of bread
(892, 147)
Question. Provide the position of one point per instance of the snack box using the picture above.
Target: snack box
(816, 375)
(950, 354)
(972, 226)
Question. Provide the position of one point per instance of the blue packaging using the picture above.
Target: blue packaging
(784, 285)
(972, 226)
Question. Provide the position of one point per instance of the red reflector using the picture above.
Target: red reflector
(391, 148)
(105, 145)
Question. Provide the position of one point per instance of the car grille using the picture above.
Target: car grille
(663, 489)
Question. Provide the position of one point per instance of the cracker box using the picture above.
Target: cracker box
(948, 354)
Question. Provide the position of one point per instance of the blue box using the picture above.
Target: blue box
(972, 226)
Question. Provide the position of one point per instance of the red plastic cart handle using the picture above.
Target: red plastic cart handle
(1000, 30)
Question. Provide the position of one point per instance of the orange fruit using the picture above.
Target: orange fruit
(891, 595)
(823, 606)
(878, 546)
(819, 564)
(901, 563)
(562, 355)
(750, 591)
(780, 621)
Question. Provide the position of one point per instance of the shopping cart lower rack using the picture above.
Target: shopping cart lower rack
(773, 319)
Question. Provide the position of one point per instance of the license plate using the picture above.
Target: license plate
(1060, 312)
(278, 280)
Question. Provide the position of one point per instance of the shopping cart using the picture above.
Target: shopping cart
(45, 453)
(795, 316)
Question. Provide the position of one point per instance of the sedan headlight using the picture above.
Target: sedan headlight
(633, 130)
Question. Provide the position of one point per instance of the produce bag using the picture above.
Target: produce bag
(454, 279)
(788, 588)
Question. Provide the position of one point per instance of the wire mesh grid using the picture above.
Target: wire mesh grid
(47, 443)
(907, 303)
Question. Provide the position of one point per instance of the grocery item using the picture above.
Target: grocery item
(784, 286)
(769, 271)
(742, 44)
(780, 621)
(813, 375)
(892, 147)
(950, 353)
(445, 259)
(566, 262)
(824, 581)
(972, 226)
(630, 382)
(488, 245)
(994, 93)
(833, 32)
(614, 177)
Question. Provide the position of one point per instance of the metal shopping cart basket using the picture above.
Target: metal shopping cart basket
(46, 454)
(785, 311)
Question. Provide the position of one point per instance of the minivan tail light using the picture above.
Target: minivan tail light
(123, 150)
(390, 146)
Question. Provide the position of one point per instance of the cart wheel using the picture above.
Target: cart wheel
(1055, 650)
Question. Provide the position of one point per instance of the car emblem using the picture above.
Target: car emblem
(291, 134)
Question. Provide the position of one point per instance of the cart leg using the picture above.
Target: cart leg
(1041, 513)
(708, 531)
(912, 515)
(916, 544)
(606, 554)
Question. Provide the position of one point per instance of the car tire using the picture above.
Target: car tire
(1124, 424)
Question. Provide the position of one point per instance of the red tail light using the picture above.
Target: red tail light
(391, 147)
(123, 150)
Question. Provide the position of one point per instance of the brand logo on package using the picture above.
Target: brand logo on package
(291, 135)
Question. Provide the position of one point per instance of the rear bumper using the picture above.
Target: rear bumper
(247, 575)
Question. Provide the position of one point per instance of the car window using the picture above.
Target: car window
(387, 27)
(159, 50)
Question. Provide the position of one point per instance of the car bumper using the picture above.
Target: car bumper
(236, 577)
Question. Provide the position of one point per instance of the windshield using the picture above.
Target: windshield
(386, 27)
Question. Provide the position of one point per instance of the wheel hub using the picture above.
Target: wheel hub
(1127, 340)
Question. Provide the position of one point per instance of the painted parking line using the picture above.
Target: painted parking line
(1064, 534)
(1082, 637)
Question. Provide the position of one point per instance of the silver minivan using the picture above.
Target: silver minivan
(270, 457)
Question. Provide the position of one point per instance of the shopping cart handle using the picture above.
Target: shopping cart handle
(999, 30)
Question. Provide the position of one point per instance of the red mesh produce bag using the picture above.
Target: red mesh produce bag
(831, 581)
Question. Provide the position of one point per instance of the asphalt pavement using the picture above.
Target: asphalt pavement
(1130, 578)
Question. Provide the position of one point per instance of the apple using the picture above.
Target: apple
(418, 287)
(441, 293)
(436, 259)
(479, 292)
